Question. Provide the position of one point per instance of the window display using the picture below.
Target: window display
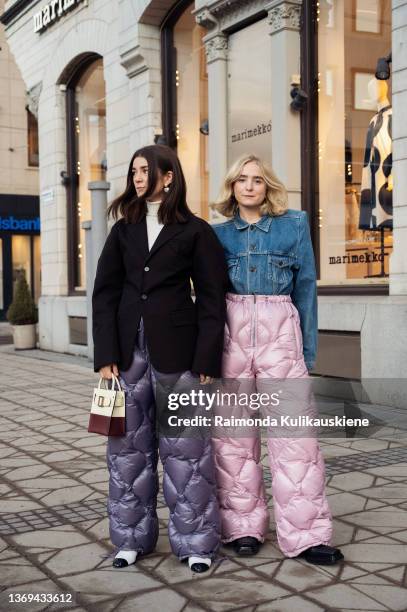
(355, 143)
(191, 83)
(90, 148)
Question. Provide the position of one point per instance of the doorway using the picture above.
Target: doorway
(19, 254)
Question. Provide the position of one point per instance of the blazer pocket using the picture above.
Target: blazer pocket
(186, 316)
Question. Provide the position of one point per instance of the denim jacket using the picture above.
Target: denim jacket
(274, 257)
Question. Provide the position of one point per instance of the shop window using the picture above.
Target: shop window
(37, 267)
(1, 276)
(26, 261)
(86, 105)
(249, 92)
(21, 258)
(191, 115)
(32, 139)
(354, 143)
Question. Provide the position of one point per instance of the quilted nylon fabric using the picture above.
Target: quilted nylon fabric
(263, 342)
(188, 482)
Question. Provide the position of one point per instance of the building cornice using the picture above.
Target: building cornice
(216, 48)
(20, 6)
(225, 14)
(284, 15)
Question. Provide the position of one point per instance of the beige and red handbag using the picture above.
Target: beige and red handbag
(108, 410)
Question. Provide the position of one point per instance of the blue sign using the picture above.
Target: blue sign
(11, 223)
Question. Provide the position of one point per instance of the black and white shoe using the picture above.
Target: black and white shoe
(199, 565)
(125, 558)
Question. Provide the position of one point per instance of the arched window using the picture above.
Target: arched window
(185, 100)
(86, 140)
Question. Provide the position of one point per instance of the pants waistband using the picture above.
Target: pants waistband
(252, 299)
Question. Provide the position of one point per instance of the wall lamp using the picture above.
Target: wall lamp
(204, 127)
(299, 98)
(383, 68)
(65, 178)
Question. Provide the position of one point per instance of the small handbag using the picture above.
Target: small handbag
(108, 410)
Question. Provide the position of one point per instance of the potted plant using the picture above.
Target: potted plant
(22, 315)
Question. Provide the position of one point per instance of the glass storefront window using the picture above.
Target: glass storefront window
(1, 276)
(249, 92)
(32, 140)
(37, 267)
(21, 257)
(355, 145)
(191, 82)
(90, 148)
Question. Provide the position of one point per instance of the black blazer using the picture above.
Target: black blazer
(133, 282)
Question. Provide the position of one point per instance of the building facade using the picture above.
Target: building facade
(19, 201)
(292, 80)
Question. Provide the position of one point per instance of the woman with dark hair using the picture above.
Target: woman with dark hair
(148, 331)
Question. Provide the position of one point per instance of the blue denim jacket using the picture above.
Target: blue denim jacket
(274, 257)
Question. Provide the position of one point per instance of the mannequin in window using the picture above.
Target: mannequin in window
(376, 202)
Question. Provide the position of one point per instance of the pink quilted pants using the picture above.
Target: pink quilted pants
(263, 341)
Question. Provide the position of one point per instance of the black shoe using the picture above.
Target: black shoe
(119, 562)
(322, 555)
(246, 546)
(199, 568)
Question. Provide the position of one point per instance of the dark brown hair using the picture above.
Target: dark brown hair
(174, 208)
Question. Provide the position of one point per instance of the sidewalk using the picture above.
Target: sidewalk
(54, 532)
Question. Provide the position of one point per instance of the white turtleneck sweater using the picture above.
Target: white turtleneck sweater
(154, 227)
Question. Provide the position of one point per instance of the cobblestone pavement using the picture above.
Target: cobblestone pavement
(54, 535)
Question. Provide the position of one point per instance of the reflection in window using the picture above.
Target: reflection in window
(1, 276)
(368, 16)
(37, 267)
(191, 83)
(355, 146)
(21, 258)
(90, 145)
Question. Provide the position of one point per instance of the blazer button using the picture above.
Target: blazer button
(143, 296)
(146, 269)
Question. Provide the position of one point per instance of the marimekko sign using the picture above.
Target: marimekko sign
(52, 11)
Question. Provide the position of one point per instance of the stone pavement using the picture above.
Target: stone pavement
(54, 533)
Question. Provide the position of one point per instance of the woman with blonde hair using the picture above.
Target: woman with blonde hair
(271, 334)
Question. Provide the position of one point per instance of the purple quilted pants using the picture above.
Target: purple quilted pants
(188, 483)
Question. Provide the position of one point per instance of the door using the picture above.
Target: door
(6, 283)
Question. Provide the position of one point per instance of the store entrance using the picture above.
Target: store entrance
(19, 254)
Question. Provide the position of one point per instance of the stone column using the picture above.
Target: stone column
(216, 55)
(95, 238)
(141, 58)
(87, 226)
(398, 259)
(284, 20)
(98, 191)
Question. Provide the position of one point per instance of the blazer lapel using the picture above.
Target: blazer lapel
(167, 233)
(139, 238)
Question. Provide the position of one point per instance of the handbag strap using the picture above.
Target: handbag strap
(115, 381)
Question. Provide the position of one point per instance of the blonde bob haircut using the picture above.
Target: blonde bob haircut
(276, 201)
